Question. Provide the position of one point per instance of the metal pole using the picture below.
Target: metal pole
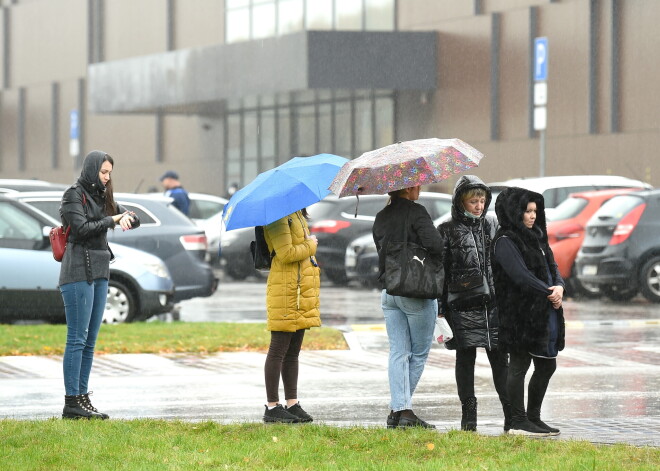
(542, 153)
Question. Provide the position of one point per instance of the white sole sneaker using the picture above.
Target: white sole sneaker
(526, 433)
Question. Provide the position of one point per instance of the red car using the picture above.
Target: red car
(566, 225)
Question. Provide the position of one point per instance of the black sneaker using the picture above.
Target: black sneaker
(413, 422)
(551, 430)
(528, 429)
(393, 419)
(279, 414)
(299, 412)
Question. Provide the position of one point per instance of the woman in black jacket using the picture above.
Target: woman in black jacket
(89, 209)
(409, 321)
(529, 298)
(468, 235)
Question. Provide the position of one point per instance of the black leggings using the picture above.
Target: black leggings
(282, 360)
(544, 368)
(464, 370)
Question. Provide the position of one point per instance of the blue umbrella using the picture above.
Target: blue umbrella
(283, 190)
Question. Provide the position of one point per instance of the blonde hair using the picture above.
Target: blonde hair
(472, 193)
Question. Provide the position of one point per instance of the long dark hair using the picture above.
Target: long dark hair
(110, 206)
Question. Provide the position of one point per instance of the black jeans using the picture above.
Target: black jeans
(544, 368)
(464, 371)
(282, 360)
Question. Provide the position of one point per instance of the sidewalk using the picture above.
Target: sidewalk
(600, 394)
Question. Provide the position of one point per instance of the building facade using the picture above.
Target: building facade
(220, 90)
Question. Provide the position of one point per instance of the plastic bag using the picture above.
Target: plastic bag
(442, 332)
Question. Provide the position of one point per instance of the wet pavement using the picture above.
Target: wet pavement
(606, 388)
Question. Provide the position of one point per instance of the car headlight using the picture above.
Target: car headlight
(157, 268)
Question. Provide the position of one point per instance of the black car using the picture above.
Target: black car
(164, 231)
(338, 221)
(621, 248)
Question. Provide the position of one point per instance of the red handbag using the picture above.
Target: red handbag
(59, 236)
(58, 239)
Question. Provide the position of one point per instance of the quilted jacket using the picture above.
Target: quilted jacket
(464, 255)
(294, 282)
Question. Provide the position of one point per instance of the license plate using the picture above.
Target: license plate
(589, 270)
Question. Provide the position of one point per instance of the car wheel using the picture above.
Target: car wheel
(338, 277)
(583, 290)
(121, 305)
(650, 280)
(239, 269)
(619, 293)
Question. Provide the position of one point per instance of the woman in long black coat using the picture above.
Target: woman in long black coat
(529, 299)
(468, 235)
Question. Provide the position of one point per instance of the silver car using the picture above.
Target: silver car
(140, 285)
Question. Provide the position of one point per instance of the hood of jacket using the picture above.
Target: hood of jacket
(510, 206)
(89, 175)
(465, 183)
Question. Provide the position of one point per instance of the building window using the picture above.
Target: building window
(258, 19)
(264, 132)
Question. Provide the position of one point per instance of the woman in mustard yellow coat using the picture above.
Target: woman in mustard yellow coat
(292, 302)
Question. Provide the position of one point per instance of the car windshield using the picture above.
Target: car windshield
(617, 207)
(568, 209)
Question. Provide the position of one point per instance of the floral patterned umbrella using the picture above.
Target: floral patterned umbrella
(403, 165)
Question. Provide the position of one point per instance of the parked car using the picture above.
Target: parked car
(557, 188)
(206, 212)
(566, 233)
(164, 231)
(362, 257)
(11, 185)
(621, 249)
(140, 285)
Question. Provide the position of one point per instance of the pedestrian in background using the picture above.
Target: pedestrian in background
(409, 321)
(173, 189)
(293, 306)
(89, 209)
(467, 237)
(529, 298)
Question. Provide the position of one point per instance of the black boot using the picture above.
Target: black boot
(88, 405)
(534, 416)
(74, 408)
(469, 419)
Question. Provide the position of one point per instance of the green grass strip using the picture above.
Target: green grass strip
(160, 337)
(158, 445)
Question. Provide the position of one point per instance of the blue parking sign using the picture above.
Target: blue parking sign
(74, 125)
(540, 59)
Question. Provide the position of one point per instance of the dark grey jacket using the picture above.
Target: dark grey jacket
(87, 256)
(466, 252)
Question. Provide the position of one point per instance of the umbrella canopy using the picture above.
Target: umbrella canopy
(283, 190)
(403, 165)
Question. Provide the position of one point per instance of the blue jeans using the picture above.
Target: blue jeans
(409, 324)
(84, 304)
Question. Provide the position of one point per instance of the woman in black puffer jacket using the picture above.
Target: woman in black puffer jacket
(468, 235)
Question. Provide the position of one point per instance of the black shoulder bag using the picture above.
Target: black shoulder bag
(411, 271)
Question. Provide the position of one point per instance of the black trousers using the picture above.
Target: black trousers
(282, 360)
(544, 368)
(464, 371)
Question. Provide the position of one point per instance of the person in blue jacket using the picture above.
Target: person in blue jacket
(173, 189)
